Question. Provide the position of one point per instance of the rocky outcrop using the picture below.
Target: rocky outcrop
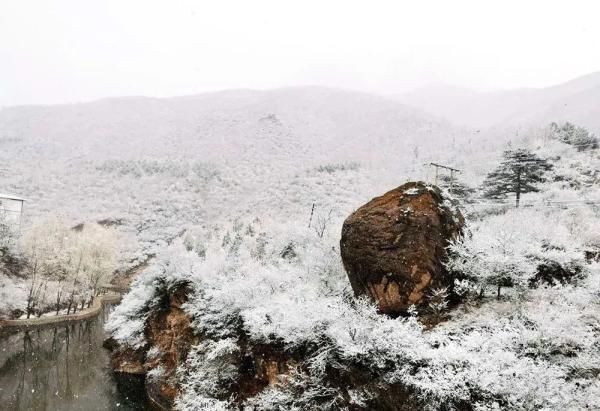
(169, 337)
(393, 247)
(260, 366)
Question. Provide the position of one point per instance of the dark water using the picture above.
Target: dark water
(62, 368)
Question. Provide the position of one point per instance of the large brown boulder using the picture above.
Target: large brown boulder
(393, 247)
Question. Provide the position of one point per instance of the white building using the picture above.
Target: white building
(11, 208)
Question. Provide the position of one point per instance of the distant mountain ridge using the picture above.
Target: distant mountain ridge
(577, 100)
(310, 121)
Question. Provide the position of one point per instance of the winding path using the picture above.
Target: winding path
(86, 313)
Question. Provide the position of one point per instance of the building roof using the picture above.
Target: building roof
(11, 197)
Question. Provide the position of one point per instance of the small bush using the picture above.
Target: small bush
(553, 273)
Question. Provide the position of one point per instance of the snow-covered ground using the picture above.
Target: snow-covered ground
(218, 185)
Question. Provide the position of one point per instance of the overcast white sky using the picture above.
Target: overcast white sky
(60, 51)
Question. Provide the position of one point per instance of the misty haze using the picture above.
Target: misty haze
(299, 206)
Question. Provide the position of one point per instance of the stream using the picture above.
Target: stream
(63, 367)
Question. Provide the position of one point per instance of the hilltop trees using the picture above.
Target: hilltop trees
(518, 174)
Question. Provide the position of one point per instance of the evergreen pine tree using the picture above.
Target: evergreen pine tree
(519, 173)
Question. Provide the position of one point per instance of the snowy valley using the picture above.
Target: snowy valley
(236, 200)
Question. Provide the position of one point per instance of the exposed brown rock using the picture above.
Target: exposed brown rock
(169, 337)
(170, 334)
(262, 366)
(393, 247)
(128, 361)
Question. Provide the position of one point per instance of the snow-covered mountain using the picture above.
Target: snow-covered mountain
(156, 162)
(312, 121)
(577, 101)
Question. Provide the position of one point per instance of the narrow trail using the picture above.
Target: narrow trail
(94, 310)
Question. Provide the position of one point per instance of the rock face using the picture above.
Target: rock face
(393, 247)
(260, 367)
(169, 337)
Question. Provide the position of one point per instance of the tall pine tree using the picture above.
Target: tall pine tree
(518, 173)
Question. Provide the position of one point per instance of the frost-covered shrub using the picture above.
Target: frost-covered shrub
(148, 291)
(210, 370)
(574, 135)
(510, 250)
(553, 273)
(266, 279)
(456, 188)
(438, 303)
(13, 295)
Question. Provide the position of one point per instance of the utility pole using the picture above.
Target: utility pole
(451, 169)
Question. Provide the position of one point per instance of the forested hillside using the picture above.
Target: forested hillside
(240, 196)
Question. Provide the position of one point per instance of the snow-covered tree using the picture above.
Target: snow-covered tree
(99, 245)
(574, 135)
(457, 188)
(91, 261)
(519, 173)
(62, 261)
(44, 248)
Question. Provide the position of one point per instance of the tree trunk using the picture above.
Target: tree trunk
(29, 307)
(498, 296)
(57, 302)
(71, 300)
(518, 188)
(30, 298)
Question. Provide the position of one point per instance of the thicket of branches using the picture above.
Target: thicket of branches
(65, 268)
